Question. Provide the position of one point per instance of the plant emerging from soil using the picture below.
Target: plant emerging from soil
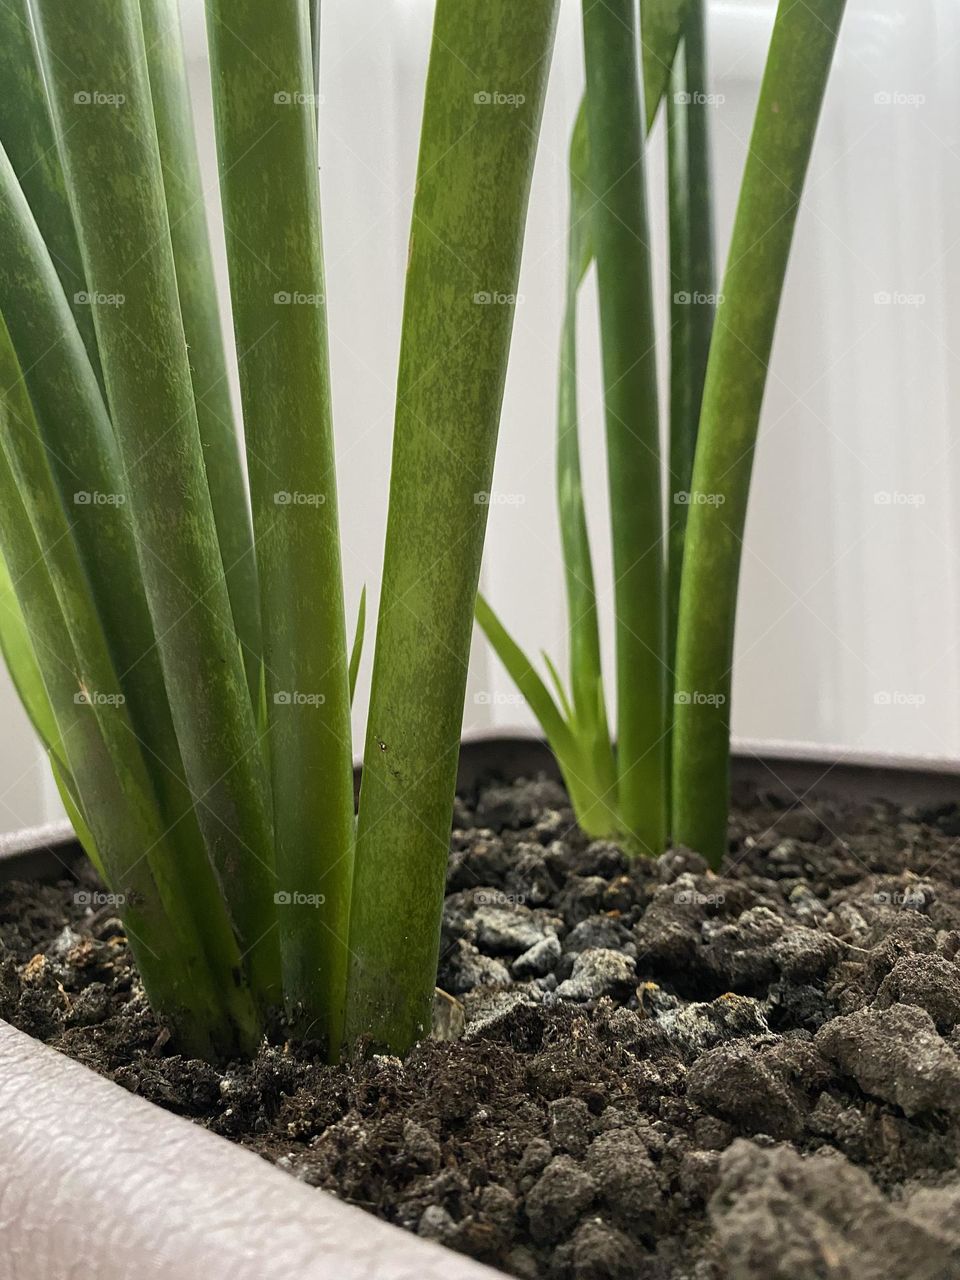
(675, 573)
(181, 650)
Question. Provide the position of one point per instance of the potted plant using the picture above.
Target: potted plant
(637, 1052)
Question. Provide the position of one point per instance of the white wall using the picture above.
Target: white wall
(850, 606)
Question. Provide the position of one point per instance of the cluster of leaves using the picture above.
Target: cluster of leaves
(176, 629)
(676, 572)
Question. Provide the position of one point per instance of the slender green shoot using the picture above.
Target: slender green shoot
(692, 284)
(621, 247)
(801, 50)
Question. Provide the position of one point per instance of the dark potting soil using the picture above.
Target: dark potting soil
(665, 1074)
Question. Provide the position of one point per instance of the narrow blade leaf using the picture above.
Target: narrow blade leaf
(586, 676)
(620, 237)
(197, 292)
(27, 134)
(798, 64)
(484, 99)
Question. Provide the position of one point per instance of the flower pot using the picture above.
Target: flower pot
(98, 1182)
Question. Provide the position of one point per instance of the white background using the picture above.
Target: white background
(848, 629)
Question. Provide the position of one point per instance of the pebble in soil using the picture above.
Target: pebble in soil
(665, 1073)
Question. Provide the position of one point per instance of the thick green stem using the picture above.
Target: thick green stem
(621, 248)
(488, 70)
(801, 50)
(104, 114)
(267, 141)
(196, 288)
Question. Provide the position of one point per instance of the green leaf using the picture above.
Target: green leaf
(197, 291)
(524, 675)
(590, 719)
(356, 651)
(70, 802)
(798, 65)
(484, 99)
(21, 662)
(139, 850)
(267, 146)
(692, 286)
(28, 137)
(123, 229)
(661, 26)
(620, 235)
(561, 692)
(592, 792)
(315, 43)
(590, 722)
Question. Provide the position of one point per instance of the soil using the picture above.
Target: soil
(665, 1074)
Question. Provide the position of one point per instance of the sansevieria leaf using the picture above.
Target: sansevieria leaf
(485, 87)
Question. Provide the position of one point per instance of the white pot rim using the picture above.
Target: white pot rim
(98, 1182)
